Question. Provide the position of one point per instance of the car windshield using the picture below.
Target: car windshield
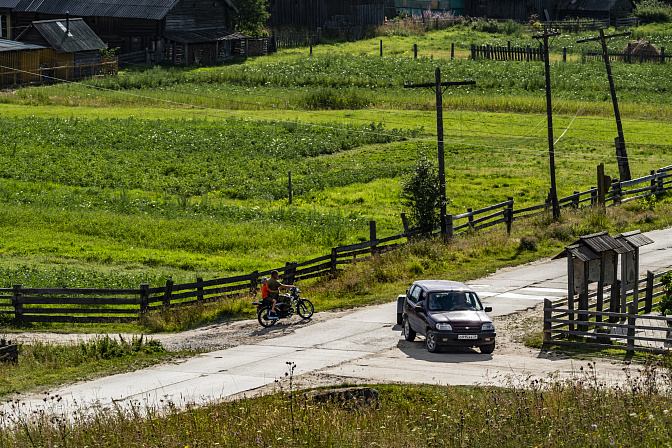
(453, 301)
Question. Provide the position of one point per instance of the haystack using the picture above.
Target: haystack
(642, 47)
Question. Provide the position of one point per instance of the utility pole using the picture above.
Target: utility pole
(437, 85)
(621, 154)
(549, 115)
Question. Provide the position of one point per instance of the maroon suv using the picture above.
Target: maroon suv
(446, 313)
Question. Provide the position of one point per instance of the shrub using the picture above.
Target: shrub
(421, 196)
(512, 28)
(529, 243)
(665, 305)
(651, 11)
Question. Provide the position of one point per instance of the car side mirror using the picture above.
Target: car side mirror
(419, 306)
(488, 309)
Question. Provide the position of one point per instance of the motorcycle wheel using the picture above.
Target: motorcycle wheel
(305, 308)
(262, 317)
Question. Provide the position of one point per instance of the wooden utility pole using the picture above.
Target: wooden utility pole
(621, 154)
(438, 88)
(549, 115)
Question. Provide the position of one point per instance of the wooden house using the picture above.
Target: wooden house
(6, 7)
(166, 28)
(326, 14)
(593, 9)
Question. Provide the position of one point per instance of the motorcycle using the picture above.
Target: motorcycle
(293, 303)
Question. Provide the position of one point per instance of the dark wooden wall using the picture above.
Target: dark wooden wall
(314, 13)
(198, 14)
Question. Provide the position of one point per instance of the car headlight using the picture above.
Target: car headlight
(443, 327)
(488, 327)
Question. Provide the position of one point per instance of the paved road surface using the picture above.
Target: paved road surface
(363, 345)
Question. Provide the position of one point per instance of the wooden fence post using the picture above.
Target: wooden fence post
(662, 55)
(452, 51)
(404, 221)
(381, 48)
(653, 183)
(564, 54)
(488, 54)
(289, 186)
(548, 315)
(648, 298)
(593, 196)
(617, 195)
(528, 54)
(254, 277)
(372, 237)
(470, 218)
(449, 227)
(661, 185)
(290, 269)
(473, 52)
(575, 199)
(615, 301)
(168, 293)
(632, 313)
(334, 259)
(16, 302)
(144, 297)
(509, 215)
(415, 51)
(199, 288)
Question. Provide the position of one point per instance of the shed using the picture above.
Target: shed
(67, 37)
(631, 241)
(19, 62)
(594, 9)
(328, 14)
(593, 258)
(139, 27)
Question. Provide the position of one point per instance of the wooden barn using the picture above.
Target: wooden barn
(166, 28)
(6, 7)
(325, 14)
(593, 9)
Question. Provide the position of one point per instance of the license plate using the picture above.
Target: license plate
(467, 336)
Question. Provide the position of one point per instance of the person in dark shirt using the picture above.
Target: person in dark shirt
(274, 288)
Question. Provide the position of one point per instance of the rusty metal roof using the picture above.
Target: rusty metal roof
(68, 36)
(11, 45)
(635, 239)
(202, 36)
(129, 9)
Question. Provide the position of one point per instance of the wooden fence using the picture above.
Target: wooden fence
(124, 305)
(626, 56)
(507, 53)
(627, 328)
(576, 25)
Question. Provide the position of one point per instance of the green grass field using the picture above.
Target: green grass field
(175, 172)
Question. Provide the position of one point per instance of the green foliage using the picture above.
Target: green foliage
(653, 11)
(252, 16)
(513, 28)
(421, 195)
(665, 305)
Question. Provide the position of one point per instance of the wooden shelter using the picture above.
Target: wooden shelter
(144, 25)
(19, 62)
(631, 241)
(593, 9)
(328, 14)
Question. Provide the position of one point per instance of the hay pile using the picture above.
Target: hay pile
(642, 47)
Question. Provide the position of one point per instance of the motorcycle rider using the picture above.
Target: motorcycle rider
(274, 288)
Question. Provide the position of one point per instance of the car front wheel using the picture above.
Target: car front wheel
(430, 342)
(487, 349)
(409, 333)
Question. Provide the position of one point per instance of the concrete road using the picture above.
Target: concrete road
(363, 345)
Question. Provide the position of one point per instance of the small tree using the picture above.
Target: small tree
(251, 17)
(420, 194)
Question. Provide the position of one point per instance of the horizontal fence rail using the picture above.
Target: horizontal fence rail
(603, 322)
(128, 305)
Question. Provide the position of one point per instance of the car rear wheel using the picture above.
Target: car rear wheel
(409, 333)
(487, 349)
(430, 342)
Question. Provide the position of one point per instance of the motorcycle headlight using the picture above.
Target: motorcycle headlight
(488, 327)
(444, 327)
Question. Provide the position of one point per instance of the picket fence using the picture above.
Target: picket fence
(88, 305)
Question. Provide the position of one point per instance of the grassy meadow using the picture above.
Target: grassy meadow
(179, 172)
